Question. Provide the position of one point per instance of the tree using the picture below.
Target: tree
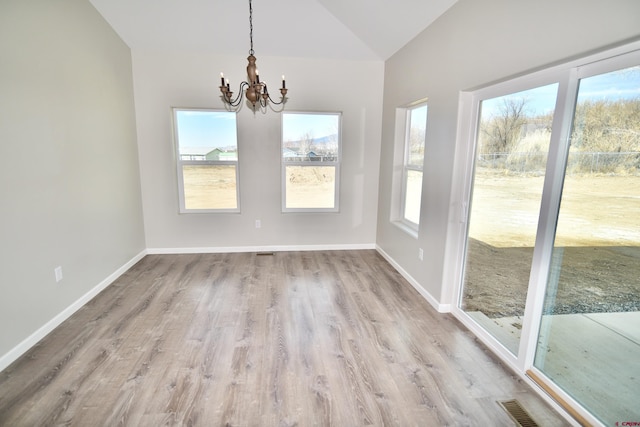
(502, 131)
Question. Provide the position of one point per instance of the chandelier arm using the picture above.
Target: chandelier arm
(282, 100)
(238, 99)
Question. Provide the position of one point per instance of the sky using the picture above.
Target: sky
(317, 125)
(211, 129)
(621, 84)
(203, 128)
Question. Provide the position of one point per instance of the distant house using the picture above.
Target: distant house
(194, 153)
(206, 153)
(289, 153)
(221, 154)
(313, 156)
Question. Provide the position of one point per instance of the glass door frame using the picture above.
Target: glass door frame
(567, 76)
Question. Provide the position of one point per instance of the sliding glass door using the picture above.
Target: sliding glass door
(511, 157)
(589, 342)
(551, 276)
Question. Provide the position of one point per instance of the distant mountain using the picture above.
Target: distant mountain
(324, 144)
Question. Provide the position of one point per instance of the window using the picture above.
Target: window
(310, 162)
(207, 160)
(411, 193)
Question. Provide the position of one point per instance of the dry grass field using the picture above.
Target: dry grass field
(600, 229)
(310, 186)
(210, 187)
(214, 187)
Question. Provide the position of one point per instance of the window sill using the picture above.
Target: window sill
(411, 231)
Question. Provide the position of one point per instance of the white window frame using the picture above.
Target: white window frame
(335, 164)
(181, 163)
(402, 167)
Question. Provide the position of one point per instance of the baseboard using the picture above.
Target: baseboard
(441, 308)
(13, 354)
(273, 248)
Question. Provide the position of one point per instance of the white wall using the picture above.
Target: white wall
(165, 80)
(472, 44)
(69, 179)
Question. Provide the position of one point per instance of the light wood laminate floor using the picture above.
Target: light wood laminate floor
(294, 339)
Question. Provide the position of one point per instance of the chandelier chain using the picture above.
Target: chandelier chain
(251, 52)
(253, 89)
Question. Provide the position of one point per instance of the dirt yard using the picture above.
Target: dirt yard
(598, 245)
(214, 187)
(210, 187)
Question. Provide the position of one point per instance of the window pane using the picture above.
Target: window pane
(206, 135)
(512, 146)
(310, 187)
(590, 330)
(413, 196)
(209, 186)
(416, 136)
(307, 136)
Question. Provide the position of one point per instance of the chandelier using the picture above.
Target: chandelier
(254, 90)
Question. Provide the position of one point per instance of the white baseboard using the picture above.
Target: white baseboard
(13, 354)
(441, 308)
(275, 248)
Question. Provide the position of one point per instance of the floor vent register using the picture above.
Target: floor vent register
(518, 414)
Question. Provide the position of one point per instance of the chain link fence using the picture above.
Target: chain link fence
(579, 162)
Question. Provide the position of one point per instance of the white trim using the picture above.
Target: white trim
(13, 354)
(441, 308)
(272, 248)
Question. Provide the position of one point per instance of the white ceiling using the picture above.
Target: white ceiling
(339, 29)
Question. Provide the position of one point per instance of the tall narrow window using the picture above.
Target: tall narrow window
(416, 129)
(207, 160)
(310, 161)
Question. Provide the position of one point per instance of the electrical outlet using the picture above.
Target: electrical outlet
(258, 223)
(58, 272)
(420, 254)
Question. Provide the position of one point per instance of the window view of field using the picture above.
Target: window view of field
(599, 224)
(207, 151)
(310, 186)
(209, 186)
(310, 158)
(601, 250)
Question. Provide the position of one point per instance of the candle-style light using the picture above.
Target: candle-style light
(254, 90)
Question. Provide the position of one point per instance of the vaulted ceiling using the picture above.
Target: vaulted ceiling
(338, 29)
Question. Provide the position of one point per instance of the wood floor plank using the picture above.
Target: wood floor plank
(327, 338)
